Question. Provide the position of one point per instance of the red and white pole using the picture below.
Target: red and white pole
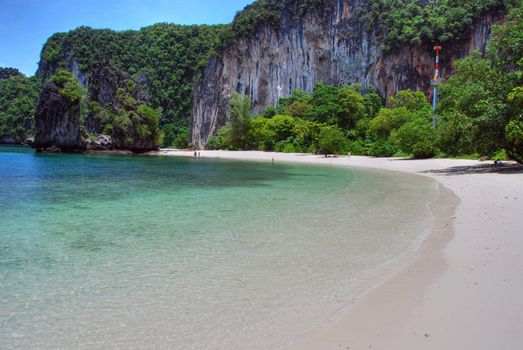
(436, 82)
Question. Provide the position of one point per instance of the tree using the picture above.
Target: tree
(298, 108)
(330, 140)
(325, 104)
(478, 91)
(416, 137)
(352, 107)
(455, 133)
(222, 139)
(514, 129)
(306, 133)
(373, 103)
(387, 120)
(507, 40)
(18, 100)
(414, 101)
(259, 136)
(296, 96)
(240, 115)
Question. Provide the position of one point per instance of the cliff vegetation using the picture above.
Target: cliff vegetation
(411, 22)
(480, 113)
(169, 56)
(18, 99)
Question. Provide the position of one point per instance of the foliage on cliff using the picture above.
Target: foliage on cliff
(170, 56)
(272, 12)
(125, 122)
(415, 22)
(8, 72)
(18, 99)
(411, 22)
(481, 105)
(69, 86)
(131, 123)
(480, 111)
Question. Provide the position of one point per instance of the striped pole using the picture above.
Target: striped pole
(436, 82)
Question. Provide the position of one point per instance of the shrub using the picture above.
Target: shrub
(500, 155)
(381, 148)
(330, 140)
(387, 120)
(514, 135)
(356, 148)
(416, 137)
(222, 139)
(68, 85)
(182, 139)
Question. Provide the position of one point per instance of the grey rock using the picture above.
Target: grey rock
(57, 122)
(334, 49)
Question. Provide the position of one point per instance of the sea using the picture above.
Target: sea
(158, 252)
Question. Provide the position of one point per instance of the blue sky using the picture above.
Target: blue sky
(25, 25)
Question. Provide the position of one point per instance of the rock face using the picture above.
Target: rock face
(335, 50)
(57, 122)
(104, 83)
(8, 140)
(106, 79)
(61, 127)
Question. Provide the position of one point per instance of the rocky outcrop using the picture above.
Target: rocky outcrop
(8, 140)
(60, 125)
(47, 69)
(104, 85)
(57, 122)
(333, 48)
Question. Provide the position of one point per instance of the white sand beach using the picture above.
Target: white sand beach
(462, 289)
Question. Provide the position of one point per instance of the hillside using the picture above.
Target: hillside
(18, 98)
(167, 56)
(292, 44)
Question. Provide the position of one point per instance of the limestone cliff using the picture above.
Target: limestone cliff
(111, 114)
(57, 121)
(328, 44)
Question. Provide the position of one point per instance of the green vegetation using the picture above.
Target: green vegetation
(68, 85)
(130, 123)
(8, 72)
(263, 12)
(415, 22)
(411, 22)
(170, 56)
(480, 111)
(18, 99)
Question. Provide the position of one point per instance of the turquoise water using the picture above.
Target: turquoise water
(101, 251)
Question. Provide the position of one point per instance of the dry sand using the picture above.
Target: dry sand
(462, 289)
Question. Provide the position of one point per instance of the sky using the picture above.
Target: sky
(25, 25)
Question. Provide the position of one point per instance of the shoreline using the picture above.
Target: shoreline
(461, 288)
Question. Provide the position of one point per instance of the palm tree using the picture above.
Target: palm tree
(240, 114)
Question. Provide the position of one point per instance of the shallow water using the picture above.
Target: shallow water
(102, 251)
